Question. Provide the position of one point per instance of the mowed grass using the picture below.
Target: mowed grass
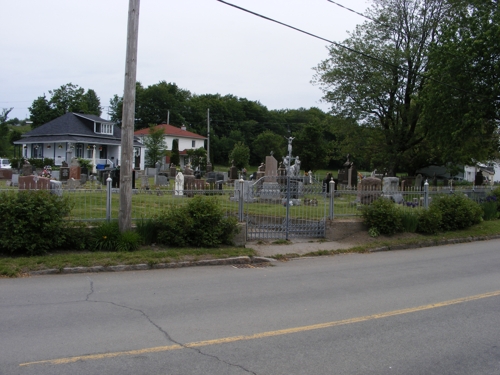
(19, 266)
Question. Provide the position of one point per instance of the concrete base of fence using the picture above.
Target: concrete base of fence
(342, 228)
(240, 239)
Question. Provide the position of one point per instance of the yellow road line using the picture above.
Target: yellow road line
(280, 332)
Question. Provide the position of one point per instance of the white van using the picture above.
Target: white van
(5, 164)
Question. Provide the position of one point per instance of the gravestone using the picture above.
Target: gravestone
(56, 188)
(172, 171)
(162, 180)
(390, 189)
(369, 189)
(6, 174)
(271, 169)
(179, 184)
(15, 180)
(270, 192)
(211, 177)
(83, 178)
(261, 171)
(27, 169)
(248, 196)
(64, 174)
(233, 173)
(75, 169)
(145, 182)
(34, 183)
(73, 184)
(419, 181)
(326, 183)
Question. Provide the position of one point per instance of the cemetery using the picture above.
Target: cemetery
(277, 201)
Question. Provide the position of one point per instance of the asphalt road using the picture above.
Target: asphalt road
(428, 311)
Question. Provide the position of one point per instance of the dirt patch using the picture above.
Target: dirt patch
(362, 237)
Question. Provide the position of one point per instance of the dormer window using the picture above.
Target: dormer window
(103, 128)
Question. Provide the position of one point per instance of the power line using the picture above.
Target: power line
(349, 48)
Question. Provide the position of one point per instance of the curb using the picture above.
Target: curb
(156, 266)
(434, 243)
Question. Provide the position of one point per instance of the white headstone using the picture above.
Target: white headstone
(179, 184)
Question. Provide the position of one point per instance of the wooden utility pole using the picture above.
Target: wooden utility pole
(127, 142)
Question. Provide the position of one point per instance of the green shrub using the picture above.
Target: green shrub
(409, 220)
(174, 227)
(32, 222)
(200, 223)
(147, 230)
(75, 235)
(490, 207)
(128, 241)
(429, 221)
(105, 237)
(383, 215)
(458, 211)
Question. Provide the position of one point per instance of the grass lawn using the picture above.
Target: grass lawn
(19, 266)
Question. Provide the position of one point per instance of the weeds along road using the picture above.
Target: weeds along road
(428, 311)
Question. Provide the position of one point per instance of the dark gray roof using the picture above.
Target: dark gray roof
(72, 127)
(72, 123)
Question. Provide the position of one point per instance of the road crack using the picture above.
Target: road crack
(160, 329)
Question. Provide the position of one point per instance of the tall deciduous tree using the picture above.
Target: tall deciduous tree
(154, 104)
(155, 146)
(267, 142)
(240, 155)
(462, 117)
(67, 98)
(378, 78)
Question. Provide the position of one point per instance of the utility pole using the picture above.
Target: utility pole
(209, 165)
(127, 142)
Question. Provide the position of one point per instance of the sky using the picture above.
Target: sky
(203, 46)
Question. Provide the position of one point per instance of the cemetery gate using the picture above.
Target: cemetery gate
(282, 207)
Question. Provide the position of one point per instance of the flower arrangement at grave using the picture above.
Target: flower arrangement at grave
(47, 171)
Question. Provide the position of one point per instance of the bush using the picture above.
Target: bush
(128, 241)
(200, 223)
(32, 222)
(75, 236)
(490, 207)
(409, 220)
(458, 211)
(146, 228)
(105, 237)
(429, 221)
(383, 215)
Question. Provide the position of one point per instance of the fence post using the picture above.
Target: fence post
(332, 194)
(108, 198)
(240, 201)
(426, 194)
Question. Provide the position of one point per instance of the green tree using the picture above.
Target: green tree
(240, 155)
(174, 157)
(462, 116)
(4, 132)
(198, 158)
(153, 104)
(382, 91)
(311, 146)
(267, 142)
(155, 146)
(67, 98)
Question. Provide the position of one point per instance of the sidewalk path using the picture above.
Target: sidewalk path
(299, 246)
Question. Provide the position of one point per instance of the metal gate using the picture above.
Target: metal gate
(282, 207)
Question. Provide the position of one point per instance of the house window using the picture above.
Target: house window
(79, 150)
(37, 151)
(193, 144)
(103, 128)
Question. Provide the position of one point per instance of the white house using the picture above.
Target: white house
(78, 135)
(186, 140)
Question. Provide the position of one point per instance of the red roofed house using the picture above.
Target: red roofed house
(187, 141)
